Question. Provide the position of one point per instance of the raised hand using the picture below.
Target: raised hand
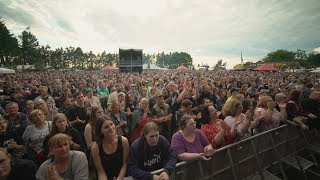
(123, 123)
(53, 173)
(249, 115)
(282, 104)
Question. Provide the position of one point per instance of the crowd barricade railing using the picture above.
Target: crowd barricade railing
(249, 158)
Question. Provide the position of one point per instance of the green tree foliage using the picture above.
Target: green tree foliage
(146, 58)
(29, 45)
(280, 56)
(8, 46)
(294, 60)
(173, 60)
(248, 64)
(312, 61)
(220, 65)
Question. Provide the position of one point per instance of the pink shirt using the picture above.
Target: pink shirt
(264, 124)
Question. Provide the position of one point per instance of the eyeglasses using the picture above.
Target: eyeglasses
(40, 104)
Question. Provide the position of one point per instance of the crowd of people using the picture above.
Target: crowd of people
(109, 125)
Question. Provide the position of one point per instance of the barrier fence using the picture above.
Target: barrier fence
(250, 158)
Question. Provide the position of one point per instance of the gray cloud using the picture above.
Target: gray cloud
(204, 28)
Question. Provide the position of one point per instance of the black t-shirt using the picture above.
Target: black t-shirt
(81, 112)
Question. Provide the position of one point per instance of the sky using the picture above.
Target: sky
(208, 30)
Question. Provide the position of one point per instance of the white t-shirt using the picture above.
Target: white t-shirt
(230, 121)
(34, 136)
(77, 168)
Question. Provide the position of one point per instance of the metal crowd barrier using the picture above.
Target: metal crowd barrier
(250, 158)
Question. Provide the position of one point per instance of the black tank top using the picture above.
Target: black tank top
(112, 162)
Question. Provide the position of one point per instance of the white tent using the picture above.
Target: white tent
(152, 67)
(6, 71)
(316, 70)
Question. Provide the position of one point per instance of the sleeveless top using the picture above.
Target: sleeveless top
(112, 162)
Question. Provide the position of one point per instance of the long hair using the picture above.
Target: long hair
(147, 128)
(263, 100)
(112, 106)
(93, 118)
(98, 133)
(205, 115)
(54, 128)
(230, 107)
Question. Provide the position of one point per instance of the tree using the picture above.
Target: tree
(57, 59)
(29, 45)
(44, 55)
(79, 58)
(279, 56)
(173, 60)
(312, 61)
(220, 65)
(9, 48)
(248, 64)
(301, 55)
(146, 58)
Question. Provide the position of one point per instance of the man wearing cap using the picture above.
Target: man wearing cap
(93, 100)
(263, 92)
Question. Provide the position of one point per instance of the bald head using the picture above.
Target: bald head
(41, 104)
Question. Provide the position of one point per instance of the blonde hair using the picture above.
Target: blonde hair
(230, 107)
(279, 97)
(144, 100)
(263, 100)
(112, 106)
(58, 140)
(34, 113)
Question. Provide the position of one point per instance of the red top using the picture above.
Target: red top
(211, 130)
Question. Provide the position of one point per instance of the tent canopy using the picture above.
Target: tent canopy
(182, 67)
(108, 67)
(6, 71)
(316, 70)
(152, 67)
(266, 67)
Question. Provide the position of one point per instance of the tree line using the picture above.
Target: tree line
(26, 50)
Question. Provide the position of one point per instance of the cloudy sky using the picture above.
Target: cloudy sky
(206, 29)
